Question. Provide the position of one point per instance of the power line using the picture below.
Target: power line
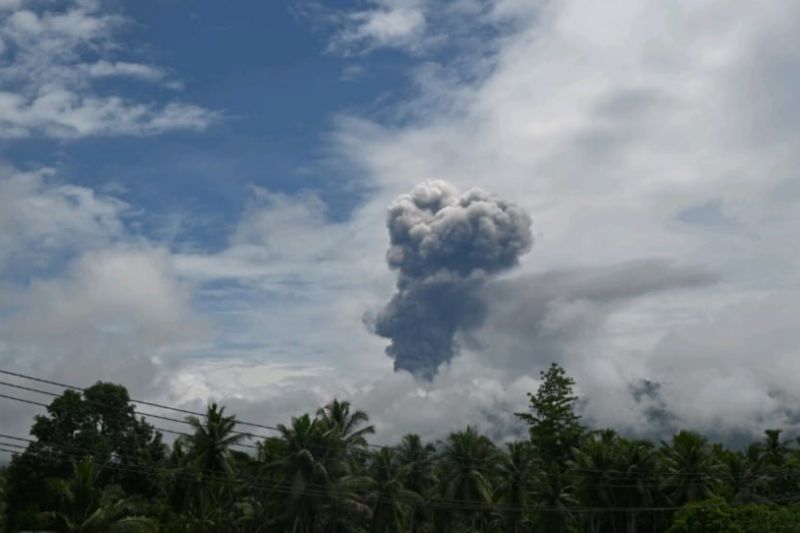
(259, 483)
(157, 405)
(572, 472)
(281, 487)
(31, 402)
(141, 413)
(164, 430)
(606, 484)
(143, 402)
(326, 491)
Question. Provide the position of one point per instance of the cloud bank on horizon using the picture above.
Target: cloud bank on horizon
(655, 145)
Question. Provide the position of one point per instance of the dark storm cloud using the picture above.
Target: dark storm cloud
(444, 246)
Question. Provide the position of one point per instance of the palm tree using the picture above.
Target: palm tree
(637, 470)
(591, 471)
(208, 465)
(389, 499)
(209, 446)
(466, 469)
(86, 507)
(745, 478)
(313, 482)
(417, 462)
(773, 449)
(553, 495)
(515, 484)
(297, 461)
(773, 457)
(344, 426)
(691, 471)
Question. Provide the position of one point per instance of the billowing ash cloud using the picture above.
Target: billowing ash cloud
(444, 245)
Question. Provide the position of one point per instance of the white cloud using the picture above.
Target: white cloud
(291, 281)
(740, 365)
(46, 88)
(384, 24)
(108, 69)
(608, 124)
(42, 219)
(82, 297)
(417, 27)
(466, 392)
(117, 314)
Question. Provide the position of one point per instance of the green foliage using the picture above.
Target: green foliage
(391, 502)
(467, 466)
(314, 465)
(99, 423)
(691, 471)
(553, 425)
(708, 516)
(86, 507)
(95, 467)
(417, 462)
(515, 485)
(207, 467)
(764, 518)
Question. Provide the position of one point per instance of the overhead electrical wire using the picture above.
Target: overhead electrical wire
(574, 471)
(328, 491)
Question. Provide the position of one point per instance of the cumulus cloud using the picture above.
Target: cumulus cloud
(43, 219)
(289, 281)
(107, 315)
(466, 392)
(739, 364)
(117, 314)
(612, 126)
(646, 131)
(46, 84)
(82, 298)
(639, 132)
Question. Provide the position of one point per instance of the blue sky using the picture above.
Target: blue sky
(264, 68)
(194, 195)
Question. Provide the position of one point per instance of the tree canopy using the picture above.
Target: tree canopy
(92, 465)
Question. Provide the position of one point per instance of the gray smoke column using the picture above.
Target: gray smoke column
(444, 246)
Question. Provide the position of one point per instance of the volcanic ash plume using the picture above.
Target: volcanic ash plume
(444, 245)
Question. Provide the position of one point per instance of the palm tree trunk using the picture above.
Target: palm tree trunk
(632, 522)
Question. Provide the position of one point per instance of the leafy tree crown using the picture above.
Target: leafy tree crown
(553, 425)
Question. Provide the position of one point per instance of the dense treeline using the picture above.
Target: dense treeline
(92, 465)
